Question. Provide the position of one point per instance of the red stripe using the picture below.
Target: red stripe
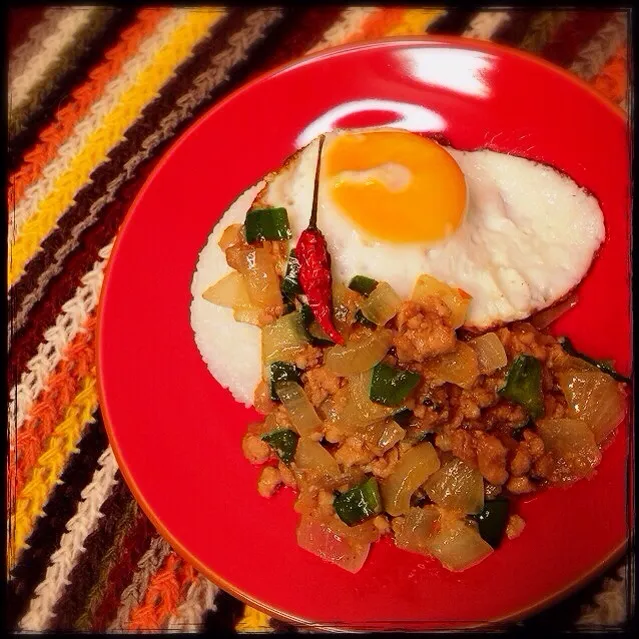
(573, 34)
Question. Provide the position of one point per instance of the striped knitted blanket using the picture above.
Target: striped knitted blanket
(95, 96)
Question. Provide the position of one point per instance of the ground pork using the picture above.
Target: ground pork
(423, 330)
(520, 485)
(352, 452)
(287, 475)
(514, 527)
(269, 481)
(255, 450)
(309, 357)
(262, 399)
(383, 466)
(491, 457)
(320, 383)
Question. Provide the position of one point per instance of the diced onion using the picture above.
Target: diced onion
(344, 308)
(299, 408)
(456, 299)
(257, 265)
(417, 526)
(318, 538)
(359, 356)
(573, 443)
(412, 470)
(546, 317)
(381, 305)
(458, 545)
(250, 315)
(283, 339)
(491, 354)
(232, 235)
(364, 533)
(457, 486)
(460, 367)
(230, 292)
(382, 436)
(593, 397)
(311, 455)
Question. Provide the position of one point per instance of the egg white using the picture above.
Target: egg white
(528, 236)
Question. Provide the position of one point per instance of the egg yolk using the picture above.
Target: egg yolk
(395, 185)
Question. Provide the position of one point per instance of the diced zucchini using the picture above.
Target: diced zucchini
(604, 365)
(363, 285)
(381, 305)
(360, 319)
(282, 372)
(391, 386)
(403, 417)
(358, 503)
(492, 520)
(267, 224)
(284, 442)
(523, 384)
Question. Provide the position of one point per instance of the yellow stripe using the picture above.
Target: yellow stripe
(116, 122)
(51, 462)
(253, 621)
(415, 21)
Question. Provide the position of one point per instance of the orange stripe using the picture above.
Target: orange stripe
(612, 80)
(80, 101)
(377, 24)
(165, 589)
(48, 410)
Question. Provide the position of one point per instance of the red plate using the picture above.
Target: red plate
(176, 433)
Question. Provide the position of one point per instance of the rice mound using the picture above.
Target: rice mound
(231, 350)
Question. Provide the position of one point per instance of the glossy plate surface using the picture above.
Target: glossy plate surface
(176, 433)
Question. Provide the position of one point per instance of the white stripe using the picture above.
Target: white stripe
(349, 21)
(74, 313)
(199, 599)
(47, 57)
(485, 24)
(79, 527)
(110, 97)
(23, 54)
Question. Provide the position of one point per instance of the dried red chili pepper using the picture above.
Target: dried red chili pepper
(315, 266)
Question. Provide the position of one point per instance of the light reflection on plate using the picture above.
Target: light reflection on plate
(412, 117)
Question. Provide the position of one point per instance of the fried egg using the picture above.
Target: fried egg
(516, 235)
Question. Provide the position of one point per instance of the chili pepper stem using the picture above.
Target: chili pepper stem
(312, 224)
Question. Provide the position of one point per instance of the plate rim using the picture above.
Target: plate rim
(458, 42)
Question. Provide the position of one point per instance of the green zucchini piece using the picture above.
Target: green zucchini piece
(402, 417)
(427, 436)
(291, 284)
(267, 224)
(363, 285)
(523, 385)
(284, 442)
(289, 307)
(492, 520)
(391, 386)
(358, 503)
(604, 365)
(361, 319)
(283, 372)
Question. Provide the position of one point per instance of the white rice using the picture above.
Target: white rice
(230, 349)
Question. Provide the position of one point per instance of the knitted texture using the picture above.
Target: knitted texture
(95, 96)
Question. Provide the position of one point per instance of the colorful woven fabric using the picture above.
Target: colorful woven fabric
(95, 96)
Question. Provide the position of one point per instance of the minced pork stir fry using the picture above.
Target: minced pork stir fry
(412, 427)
